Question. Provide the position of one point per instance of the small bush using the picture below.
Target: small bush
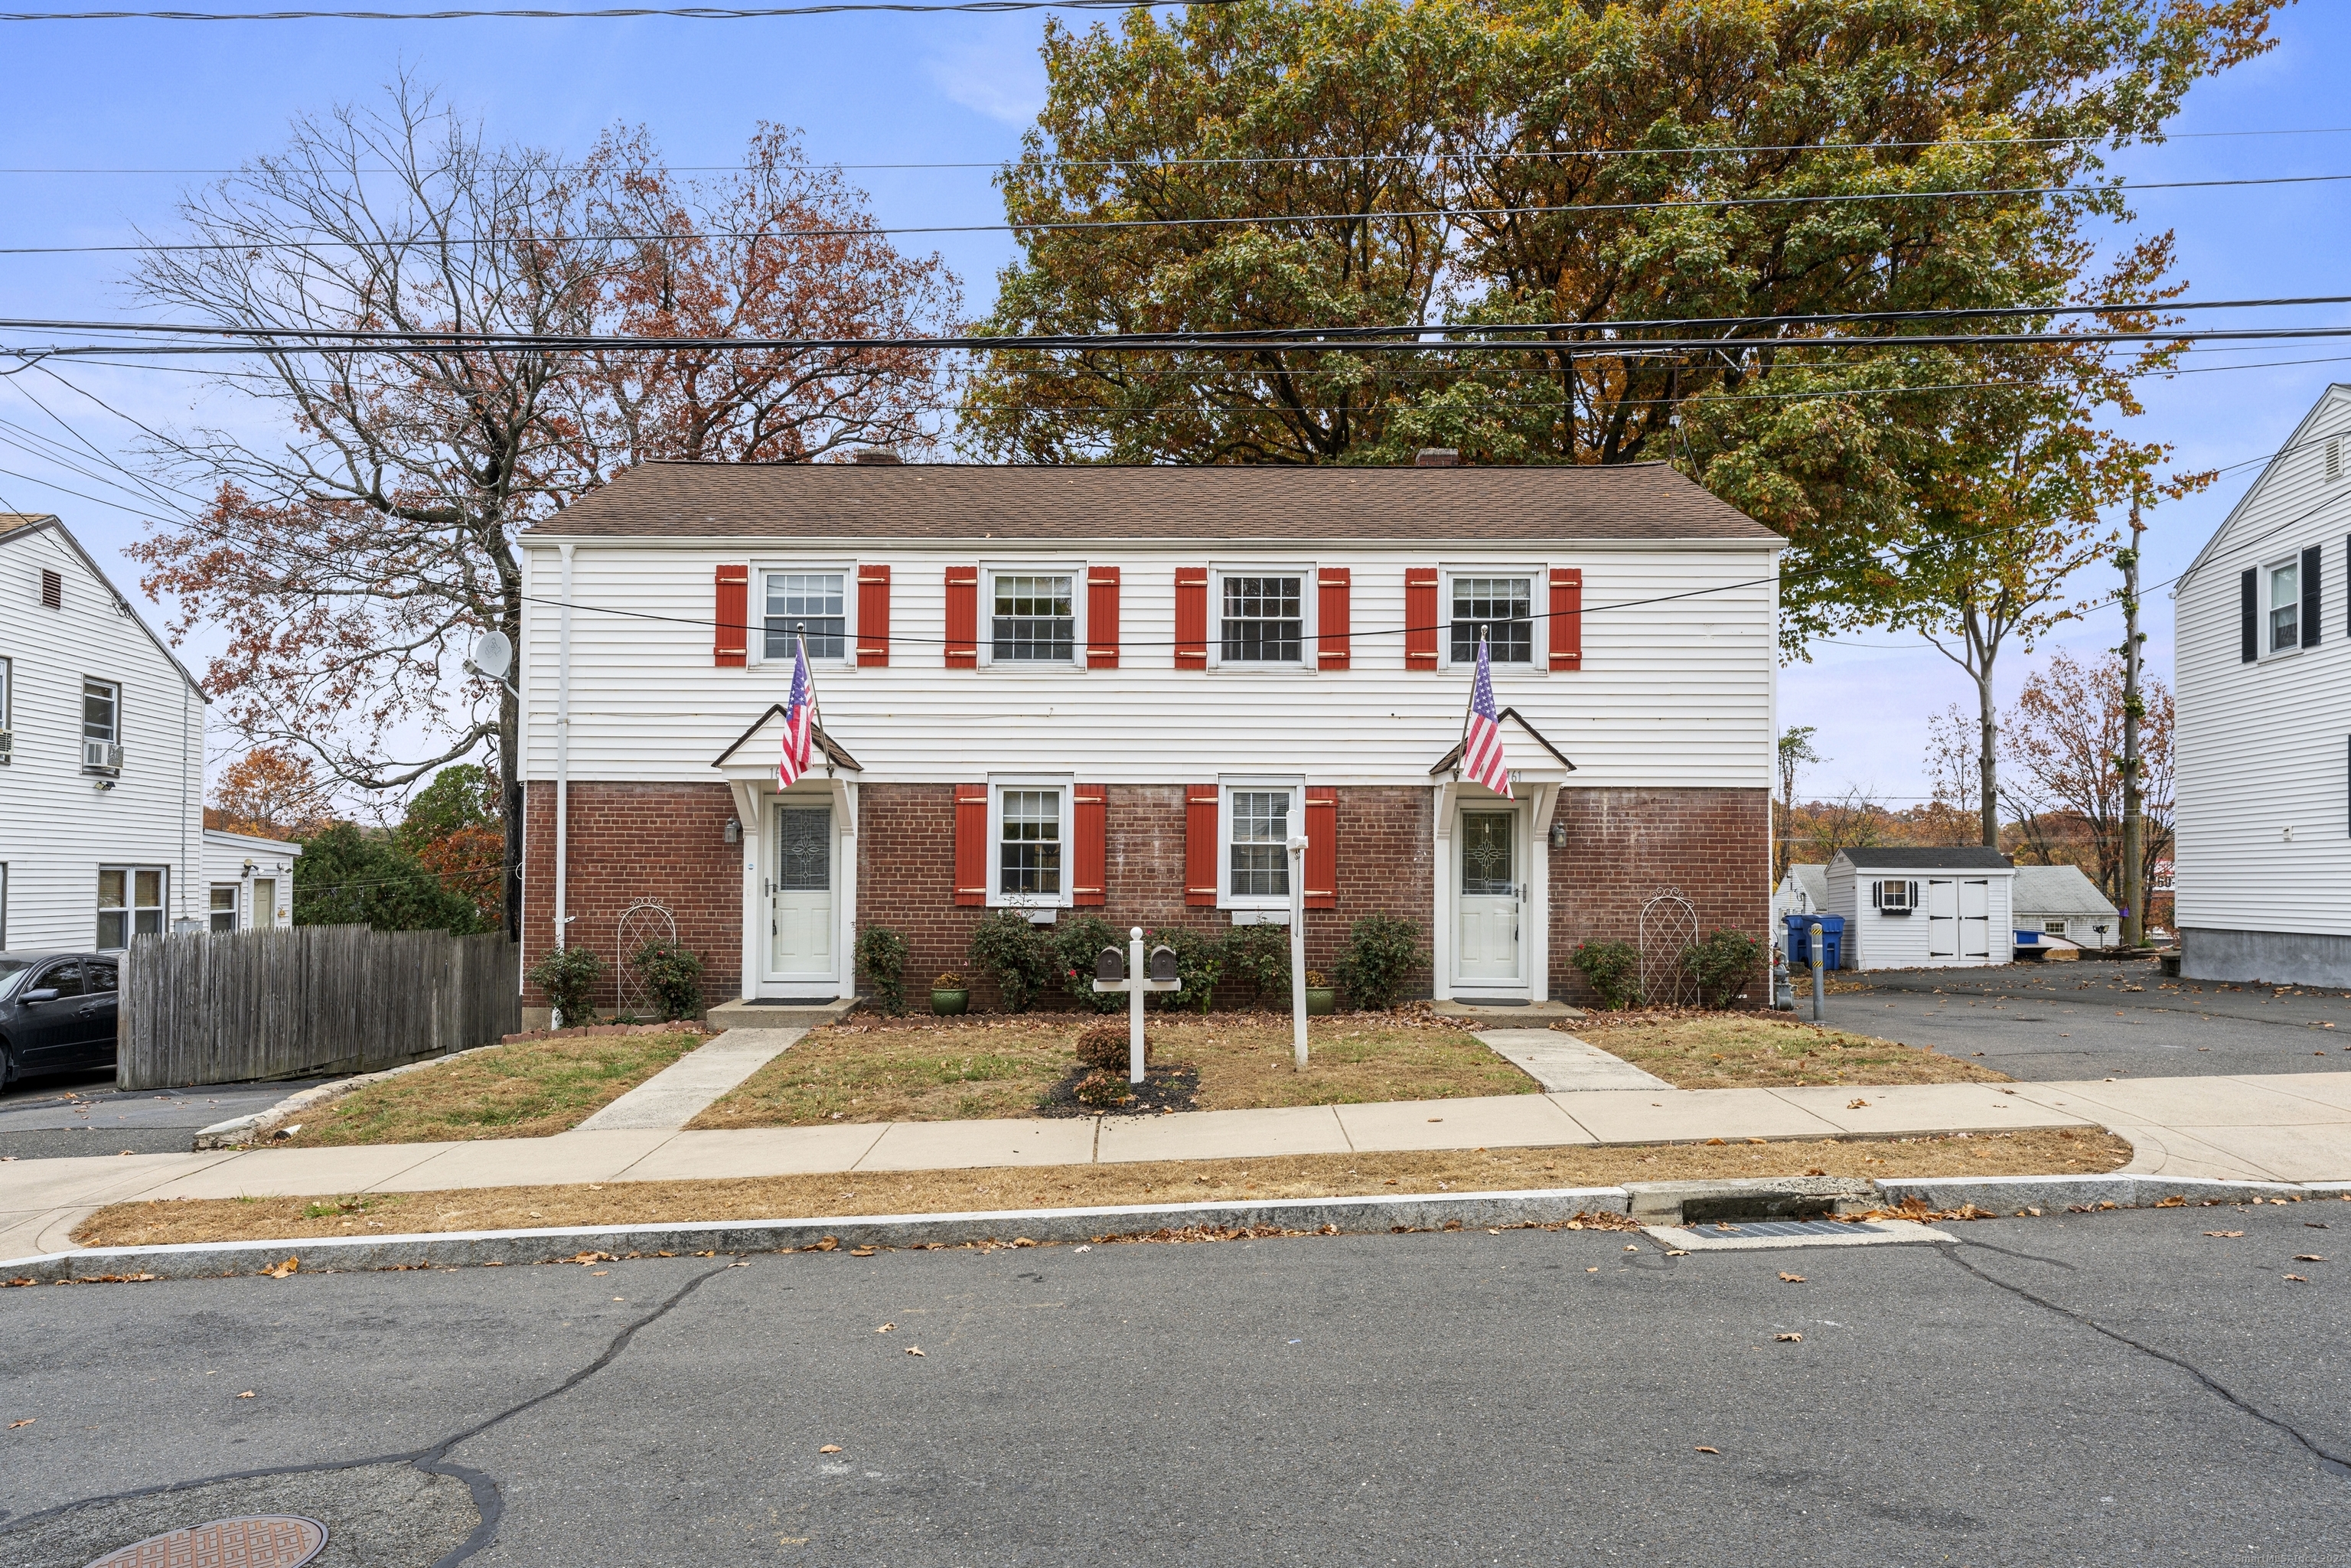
(1260, 955)
(1076, 945)
(950, 981)
(1199, 963)
(1720, 964)
(1013, 953)
(1105, 1046)
(1105, 1091)
(1614, 970)
(568, 975)
(882, 957)
(672, 973)
(1382, 953)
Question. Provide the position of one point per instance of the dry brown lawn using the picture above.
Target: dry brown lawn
(1765, 1051)
(530, 1089)
(2060, 1152)
(961, 1069)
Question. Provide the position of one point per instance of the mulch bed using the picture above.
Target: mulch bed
(1163, 1090)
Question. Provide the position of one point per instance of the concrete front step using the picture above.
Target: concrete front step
(748, 1014)
(1525, 1015)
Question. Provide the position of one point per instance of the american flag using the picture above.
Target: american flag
(799, 720)
(1481, 741)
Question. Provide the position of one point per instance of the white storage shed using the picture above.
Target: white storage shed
(2061, 901)
(1917, 907)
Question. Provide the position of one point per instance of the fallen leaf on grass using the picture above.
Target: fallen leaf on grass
(2224, 1233)
(1792, 1279)
(1816, 1171)
(2308, 1258)
(914, 1350)
(830, 1448)
(1706, 1450)
(1789, 1338)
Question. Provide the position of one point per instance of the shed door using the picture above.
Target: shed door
(1975, 918)
(1942, 919)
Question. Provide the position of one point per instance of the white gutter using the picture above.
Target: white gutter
(562, 745)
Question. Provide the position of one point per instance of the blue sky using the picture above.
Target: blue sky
(880, 89)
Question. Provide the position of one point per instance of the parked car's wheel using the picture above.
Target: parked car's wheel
(7, 1065)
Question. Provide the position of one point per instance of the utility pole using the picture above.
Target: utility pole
(2134, 932)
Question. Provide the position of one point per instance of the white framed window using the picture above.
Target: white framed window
(814, 600)
(1265, 616)
(1501, 599)
(2284, 604)
(101, 710)
(1035, 614)
(223, 910)
(1893, 897)
(7, 694)
(1028, 842)
(2052, 928)
(129, 903)
(1254, 823)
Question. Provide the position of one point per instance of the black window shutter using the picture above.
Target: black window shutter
(2310, 571)
(2249, 638)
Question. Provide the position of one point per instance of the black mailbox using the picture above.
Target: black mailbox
(1162, 963)
(1110, 964)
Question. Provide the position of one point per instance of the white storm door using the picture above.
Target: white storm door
(1486, 900)
(1975, 919)
(800, 896)
(1942, 919)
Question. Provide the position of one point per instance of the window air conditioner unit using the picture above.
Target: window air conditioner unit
(7, 745)
(101, 756)
(1893, 897)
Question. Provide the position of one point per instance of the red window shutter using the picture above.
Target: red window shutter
(1420, 617)
(873, 617)
(971, 843)
(1200, 878)
(1321, 849)
(732, 646)
(1192, 621)
(1331, 616)
(1090, 821)
(1102, 618)
(1567, 618)
(963, 618)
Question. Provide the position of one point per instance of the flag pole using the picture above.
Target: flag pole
(1469, 702)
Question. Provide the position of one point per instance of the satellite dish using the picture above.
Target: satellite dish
(493, 654)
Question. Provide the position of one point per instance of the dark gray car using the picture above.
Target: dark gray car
(58, 1012)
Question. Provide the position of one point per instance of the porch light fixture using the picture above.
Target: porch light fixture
(734, 831)
(1559, 835)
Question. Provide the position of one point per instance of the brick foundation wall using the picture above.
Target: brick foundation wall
(665, 841)
(1713, 846)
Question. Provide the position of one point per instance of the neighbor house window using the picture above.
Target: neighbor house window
(1263, 621)
(811, 604)
(6, 692)
(130, 904)
(101, 710)
(1034, 617)
(224, 907)
(1029, 843)
(2052, 927)
(2285, 606)
(1504, 606)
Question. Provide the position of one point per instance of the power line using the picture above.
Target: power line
(1066, 226)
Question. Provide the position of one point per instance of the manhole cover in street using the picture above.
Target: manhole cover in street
(262, 1541)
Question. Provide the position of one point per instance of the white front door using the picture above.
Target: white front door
(800, 897)
(1487, 899)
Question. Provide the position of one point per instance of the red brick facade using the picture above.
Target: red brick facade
(667, 842)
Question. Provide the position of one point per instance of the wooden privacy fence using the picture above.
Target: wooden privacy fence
(222, 1007)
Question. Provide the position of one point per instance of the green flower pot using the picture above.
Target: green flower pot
(1321, 1000)
(946, 1004)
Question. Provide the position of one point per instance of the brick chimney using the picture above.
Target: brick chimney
(881, 454)
(1437, 457)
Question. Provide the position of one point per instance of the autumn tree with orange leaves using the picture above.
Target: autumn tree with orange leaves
(351, 560)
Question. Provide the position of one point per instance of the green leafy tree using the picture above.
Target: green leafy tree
(347, 877)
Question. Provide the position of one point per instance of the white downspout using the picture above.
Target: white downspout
(563, 749)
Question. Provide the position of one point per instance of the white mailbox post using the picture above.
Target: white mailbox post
(1112, 974)
(1297, 847)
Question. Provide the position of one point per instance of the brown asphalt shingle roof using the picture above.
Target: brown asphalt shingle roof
(960, 501)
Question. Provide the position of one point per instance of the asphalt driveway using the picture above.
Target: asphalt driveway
(2097, 1018)
(84, 1114)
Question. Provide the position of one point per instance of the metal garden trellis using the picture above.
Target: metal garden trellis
(1668, 929)
(646, 920)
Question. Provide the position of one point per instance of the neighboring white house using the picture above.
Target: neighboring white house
(1917, 907)
(2061, 901)
(249, 881)
(101, 755)
(1804, 889)
(2262, 741)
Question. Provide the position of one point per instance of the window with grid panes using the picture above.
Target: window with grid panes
(1264, 620)
(1029, 843)
(1035, 618)
(1505, 607)
(809, 603)
(130, 904)
(1261, 843)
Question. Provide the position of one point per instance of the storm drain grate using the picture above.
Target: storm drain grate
(1739, 1235)
(259, 1540)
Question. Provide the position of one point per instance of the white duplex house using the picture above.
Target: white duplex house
(101, 756)
(2262, 738)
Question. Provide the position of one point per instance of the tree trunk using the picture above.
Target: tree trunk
(2134, 868)
(1987, 763)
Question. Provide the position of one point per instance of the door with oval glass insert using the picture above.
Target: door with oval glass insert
(800, 898)
(1486, 900)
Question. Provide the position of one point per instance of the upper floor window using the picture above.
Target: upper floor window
(1264, 620)
(811, 604)
(101, 704)
(2285, 606)
(1502, 605)
(6, 693)
(1035, 617)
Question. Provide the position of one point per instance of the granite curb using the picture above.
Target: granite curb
(2051, 1195)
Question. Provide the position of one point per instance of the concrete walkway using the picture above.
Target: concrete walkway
(1558, 1060)
(678, 1092)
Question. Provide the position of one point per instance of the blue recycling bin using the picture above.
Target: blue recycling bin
(1799, 940)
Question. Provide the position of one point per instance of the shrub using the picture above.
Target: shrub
(950, 981)
(345, 877)
(1721, 963)
(1013, 953)
(1382, 953)
(1076, 945)
(672, 973)
(1199, 963)
(1260, 955)
(1614, 970)
(1105, 1091)
(881, 955)
(1105, 1046)
(567, 975)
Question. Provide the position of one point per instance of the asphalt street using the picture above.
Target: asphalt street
(2117, 1387)
(83, 1113)
(2097, 1018)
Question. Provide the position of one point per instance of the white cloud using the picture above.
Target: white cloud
(1003, 81)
